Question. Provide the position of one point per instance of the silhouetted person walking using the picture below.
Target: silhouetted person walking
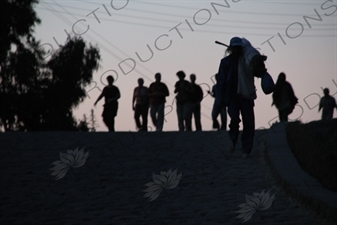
(184, 109)
(141, 107)
(218, 108)
(158, 91)
(284, 98)
(236, 89)
(328, 103)
(111, 94)
(196, 98)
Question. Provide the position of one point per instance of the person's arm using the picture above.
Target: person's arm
(146, 94)
(167, 93)
(221, 79)
(294, 99)
(211, 94)
(201, 94)
(213, 91)
(150, 92)
(118, 94)
(99, 98)
(133, 99)
(320, 105)
(176, 87)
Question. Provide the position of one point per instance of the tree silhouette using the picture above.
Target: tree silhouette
(19, 62)
(35, 94)
(17, 21)
(71, 71)
(93, 121)
(83, 124)
(87, 125)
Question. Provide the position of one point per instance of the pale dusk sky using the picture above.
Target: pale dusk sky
(140, 38)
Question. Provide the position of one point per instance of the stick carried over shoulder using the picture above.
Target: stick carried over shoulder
(220, 43)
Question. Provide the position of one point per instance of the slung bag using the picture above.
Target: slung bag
(267, 84)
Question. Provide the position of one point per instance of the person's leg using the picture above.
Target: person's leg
(114, 114)
(145, 112)
(180, 116)
(108, 114)
(137, 115)
(112, 124)
(248, 121)
(109, 122)
(192, 105)
(283, 115)
(215, 114)
(280, 116)
(327, 114)
(187, 115)
(153, 112)
(223, 116)
(193, 112)
(197, 116)
(234, 111)
(161, 114)
(287, 112)
(330, 113)
(106, 122)
(324, 115)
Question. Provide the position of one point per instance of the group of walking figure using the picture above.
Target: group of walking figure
(188, 98)
(234, 94)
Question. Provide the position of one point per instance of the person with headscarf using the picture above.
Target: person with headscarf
(231, 79)
(284, 98)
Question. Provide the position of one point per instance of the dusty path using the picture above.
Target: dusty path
(108, 188)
